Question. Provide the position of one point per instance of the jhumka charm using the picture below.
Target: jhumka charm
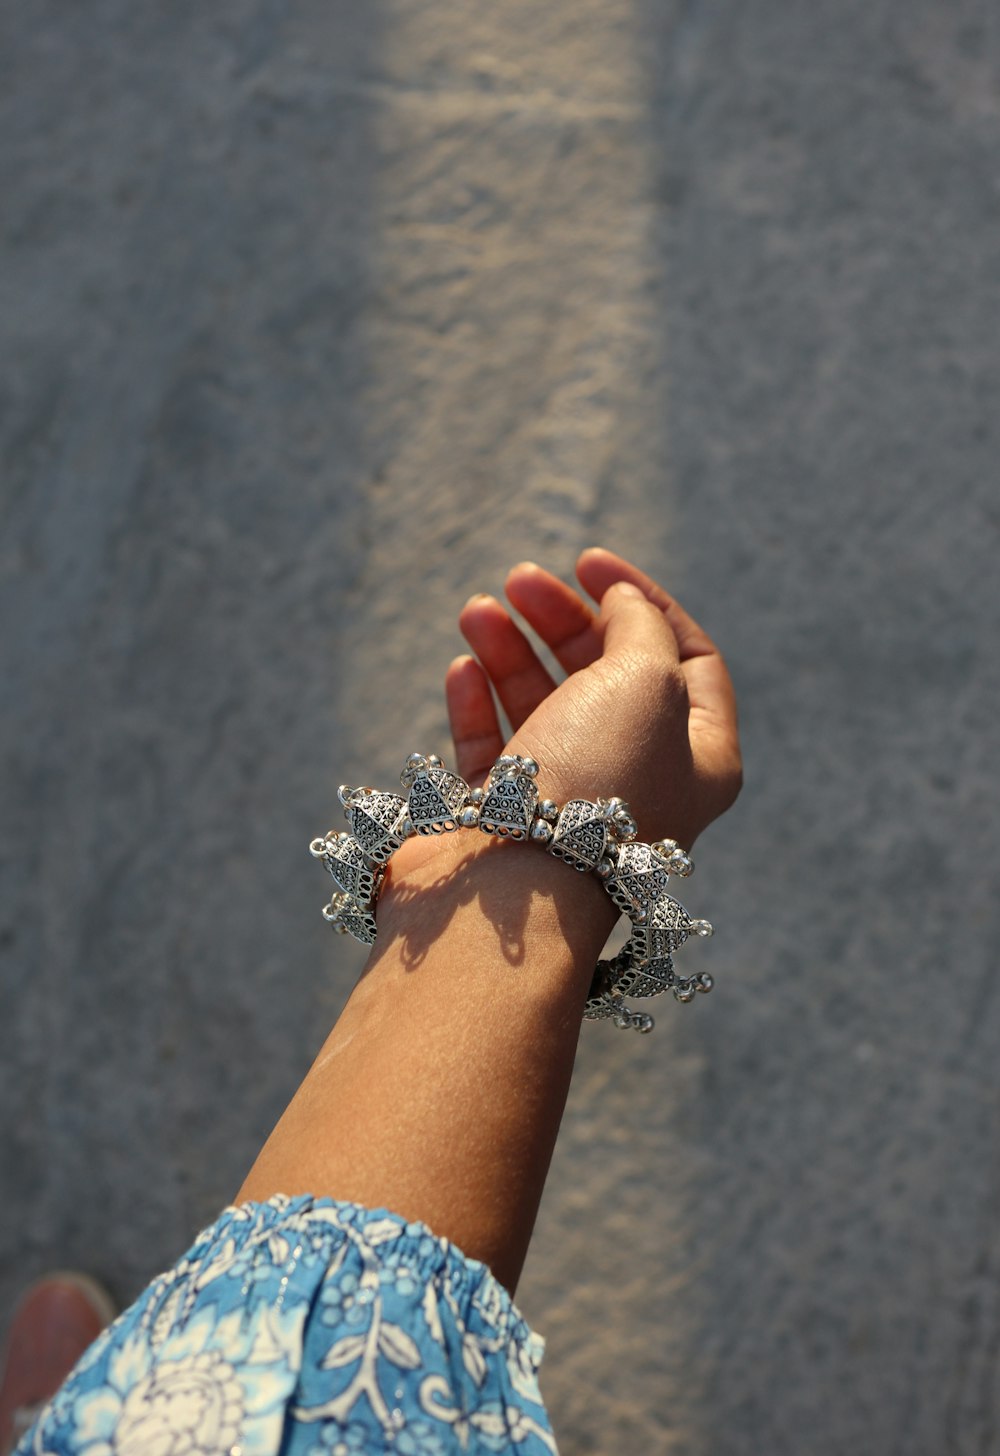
(649, 967)
(379, 820)
(651, 978)
(349, 918)
(583, 830)
(509, 797)
(664, 930)
(349, 866)
(436, 796)
(606, 1000)
(640, 877)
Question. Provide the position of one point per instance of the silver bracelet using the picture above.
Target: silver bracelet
(594, 836)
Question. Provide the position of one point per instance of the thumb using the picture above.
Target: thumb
(631, 626)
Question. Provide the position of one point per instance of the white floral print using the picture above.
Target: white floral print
(181, 1406)
(316, 1327)
(199, 1391)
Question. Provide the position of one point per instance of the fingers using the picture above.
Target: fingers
(712, 723)
(475, 727)
(632, 626)
(597, 569)
(638, 620)
(709, 685)
(510, 662)
(557, 613)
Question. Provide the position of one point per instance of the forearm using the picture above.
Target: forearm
(439, 1092)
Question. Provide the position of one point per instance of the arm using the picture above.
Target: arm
(439, 1091)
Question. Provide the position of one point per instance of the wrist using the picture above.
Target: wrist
(513, 900)
(457, 902)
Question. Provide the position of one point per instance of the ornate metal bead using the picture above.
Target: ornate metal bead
(510, 797)
(344, 914)
(600, 1008)
(665, 928)
(352, 873)
(436, 796)
(377, 820)
(640, 878)
(650, 979)
(581, 834)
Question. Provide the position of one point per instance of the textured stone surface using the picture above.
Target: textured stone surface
(316, 318)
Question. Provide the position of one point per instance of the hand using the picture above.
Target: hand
(647, 709)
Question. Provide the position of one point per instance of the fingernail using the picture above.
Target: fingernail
(480, 597)
(628, 590)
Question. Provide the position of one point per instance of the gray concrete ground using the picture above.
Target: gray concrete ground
(315, 317)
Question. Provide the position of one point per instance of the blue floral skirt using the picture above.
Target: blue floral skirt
(307, 1327)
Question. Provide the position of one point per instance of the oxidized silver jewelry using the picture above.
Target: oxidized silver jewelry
(641, 874)
(583, 830)
(606, 999)
(348, 917)
(598, 836)
(663, 930)
(509, 797)
(436, 797)
(379, 821)
(352, 871)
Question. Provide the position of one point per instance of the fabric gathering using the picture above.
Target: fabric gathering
(308, 1327)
